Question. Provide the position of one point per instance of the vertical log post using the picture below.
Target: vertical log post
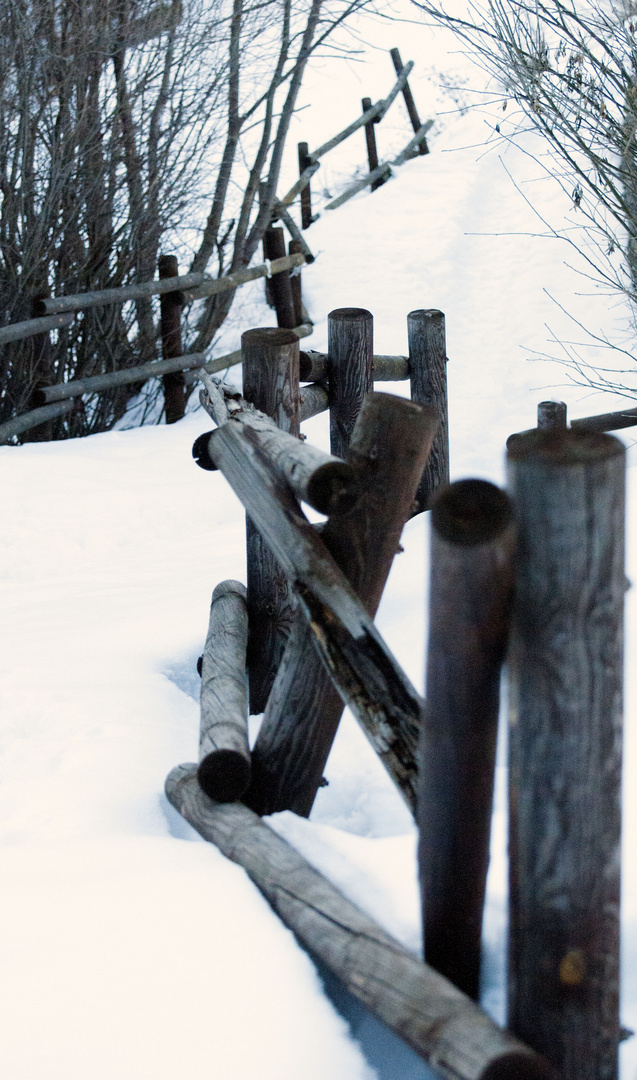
(410, 104)
(350, 352)
(224, 754)
(280, 289)
(428, 376)
(271, 383)
(41, 360)
(389, 445)
(306, 196)
(170, 306)
(295, 247)
(370, 142)
(565, 748)
(469, 606)
(551, 415)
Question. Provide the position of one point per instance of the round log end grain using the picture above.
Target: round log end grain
(470, 512)
(563, 447)
(201, 454)
(269, 335)
(333, 487)
(224, 775)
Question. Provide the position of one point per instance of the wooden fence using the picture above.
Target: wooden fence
(537, 574)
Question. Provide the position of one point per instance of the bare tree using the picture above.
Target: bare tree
(570, 67)
(128, 127)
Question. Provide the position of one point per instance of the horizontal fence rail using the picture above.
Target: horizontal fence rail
(31, 327)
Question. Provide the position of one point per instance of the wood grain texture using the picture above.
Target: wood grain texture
(280, 291)
(471, 581)
(551, 415)
(368, 677)
(224, 754)
(428, 375)
(170, 305)
(313, 400)
(389, 445)
(565, 748)
(271, 383)
(350, 364)
(313, 366)
(449, 1031)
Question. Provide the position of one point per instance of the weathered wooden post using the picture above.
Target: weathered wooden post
(294, 247)
(271, 383)
(408, 98)
(565, 747)
(551, 415)
(428, 376)
(41, 360)
(170, 306)
(224, 753)
(306, 196)
(471, 579)
(350, 350)
(389, 446)
(280, 290)
(370, 142)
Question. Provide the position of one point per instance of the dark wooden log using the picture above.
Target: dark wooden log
(305, 176)
(551, 415)
(313, 367)
(389, 445)
(613, 421)
(305, 163)
(224, 753)
(408, 98)
(565, 748)
(271, 383)
(428, 375)
(368, 677)
(324, 482)
(43, 374)
(280, 291)
(370, 143)
(313, 400)
(450, 1032)
(280, 212)
(31, 419)
(170, 322)
(294, 247)
(350, 371)
(471, 581)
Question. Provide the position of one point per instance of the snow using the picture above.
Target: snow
(129, 947)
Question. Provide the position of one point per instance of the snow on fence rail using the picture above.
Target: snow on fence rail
(539, 574)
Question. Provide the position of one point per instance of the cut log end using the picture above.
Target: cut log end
(519, 1066)
(332, 488)
(224, 775)
(470, 512)
(200, 452)
(563, 447)
(269, 335)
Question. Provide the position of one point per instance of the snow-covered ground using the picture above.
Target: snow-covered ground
(129, 948)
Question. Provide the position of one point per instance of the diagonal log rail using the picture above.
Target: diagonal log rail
(365, 672)
(457, 1039)
(32, 327)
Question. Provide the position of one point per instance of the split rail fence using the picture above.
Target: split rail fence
(536, 573)
(281, 269)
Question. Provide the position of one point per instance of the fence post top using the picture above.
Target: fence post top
(350, 314)
(566, 446)
(269, 335)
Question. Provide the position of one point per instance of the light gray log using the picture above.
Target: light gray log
(194, 286)
(377, 110)
(565, 748)
(428, 374)
(471, 572)
(350, 350)
(381, 172)
(31, 327)
(368, 677)
(301, 183)
(551, 415)
(389, 446)
(224, 753)
(313, 366)
(313, 400)
(451, 1033)
(32, 419)
(154, 368)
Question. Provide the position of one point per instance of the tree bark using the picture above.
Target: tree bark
(565, 748)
